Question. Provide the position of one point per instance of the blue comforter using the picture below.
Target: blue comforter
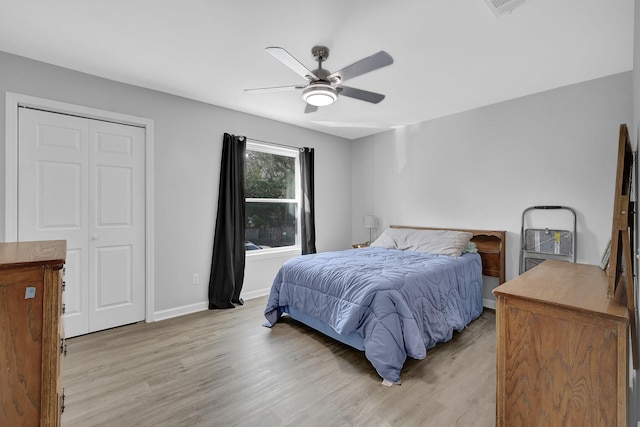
(401, 302)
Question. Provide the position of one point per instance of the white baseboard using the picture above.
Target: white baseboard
(200, 306)
(256, 294)
(489, 303)
(180, 311)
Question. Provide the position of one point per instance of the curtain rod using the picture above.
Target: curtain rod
(273, 143)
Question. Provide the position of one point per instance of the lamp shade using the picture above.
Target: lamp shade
(369, 221)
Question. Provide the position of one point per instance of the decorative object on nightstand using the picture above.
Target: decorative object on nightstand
(370, 222)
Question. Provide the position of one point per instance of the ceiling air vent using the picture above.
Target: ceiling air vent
(501, 7)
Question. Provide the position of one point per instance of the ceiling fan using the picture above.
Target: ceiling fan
(323, 87)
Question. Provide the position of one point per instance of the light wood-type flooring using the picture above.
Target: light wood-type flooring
(223, 368)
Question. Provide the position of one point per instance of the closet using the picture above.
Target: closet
(83, 181)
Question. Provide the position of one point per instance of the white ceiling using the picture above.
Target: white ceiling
(449, 55)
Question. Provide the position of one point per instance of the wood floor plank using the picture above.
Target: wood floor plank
(222, 368)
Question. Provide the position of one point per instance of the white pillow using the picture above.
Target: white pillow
(438, 242)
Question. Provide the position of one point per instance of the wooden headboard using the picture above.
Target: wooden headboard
(491, 247)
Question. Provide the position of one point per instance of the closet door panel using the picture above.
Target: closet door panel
(53, 203)
(117, 224)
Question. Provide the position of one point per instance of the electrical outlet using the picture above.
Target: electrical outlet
(195, 279)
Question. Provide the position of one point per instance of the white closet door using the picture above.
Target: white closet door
(83, 181)
(116, 210)
(53, 184)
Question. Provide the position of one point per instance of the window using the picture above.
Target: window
(272, 181)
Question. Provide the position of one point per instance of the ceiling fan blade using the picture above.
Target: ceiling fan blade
(363, 95)
(370, 63)
(274, 89)
(310, 108)
(287, 59)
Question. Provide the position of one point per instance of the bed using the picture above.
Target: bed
(395, 299)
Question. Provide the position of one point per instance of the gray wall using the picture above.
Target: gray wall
(188, 144)
(477, 169)
(480, 169)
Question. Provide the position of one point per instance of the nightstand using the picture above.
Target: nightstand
(360, 245)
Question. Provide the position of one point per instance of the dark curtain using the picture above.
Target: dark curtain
(308, 223)
(227, 264)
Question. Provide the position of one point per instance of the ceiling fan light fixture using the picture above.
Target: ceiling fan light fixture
(319, 94)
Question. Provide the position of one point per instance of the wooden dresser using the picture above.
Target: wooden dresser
(562, 349)
(32, 337)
